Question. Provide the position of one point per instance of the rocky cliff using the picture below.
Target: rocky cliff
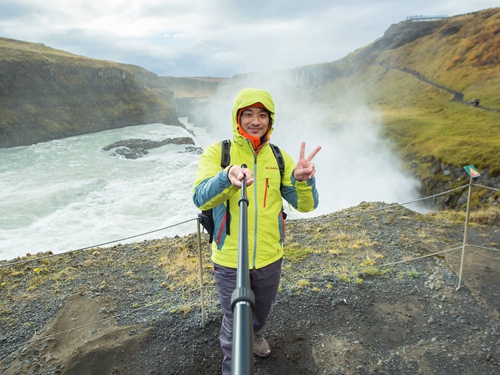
(49, 94)
(185, 92)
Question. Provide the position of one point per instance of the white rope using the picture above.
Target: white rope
(91, 247)
(485, 248)
(486, 187)
(8, 264)
(395, 205)
(412, 259)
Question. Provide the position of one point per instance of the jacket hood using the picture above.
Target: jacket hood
(247, 97)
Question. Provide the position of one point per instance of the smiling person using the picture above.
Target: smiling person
(267, 182)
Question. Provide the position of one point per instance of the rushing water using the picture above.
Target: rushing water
(68, 194)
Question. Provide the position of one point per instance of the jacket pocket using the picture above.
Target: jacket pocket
(266, 187)
(271, 189)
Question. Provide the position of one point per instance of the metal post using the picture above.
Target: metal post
(466, 234)
(202, 288)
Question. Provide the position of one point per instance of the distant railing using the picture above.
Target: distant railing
(424, 18)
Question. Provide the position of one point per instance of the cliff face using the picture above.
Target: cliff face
(49, 94)
(405, 32)
(185, 92)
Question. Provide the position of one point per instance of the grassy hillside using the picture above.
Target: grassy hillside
(409, 77)
(462, 54)
(423, 119)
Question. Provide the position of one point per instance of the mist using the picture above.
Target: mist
(355, 163)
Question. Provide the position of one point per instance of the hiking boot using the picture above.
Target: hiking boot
(261, 347)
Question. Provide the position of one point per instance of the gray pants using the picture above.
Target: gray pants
(264, 283)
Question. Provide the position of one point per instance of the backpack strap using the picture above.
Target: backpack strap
(281, 165)
(279, 158)
(206, 217)
(225, 157)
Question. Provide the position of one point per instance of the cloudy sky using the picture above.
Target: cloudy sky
(218, 38)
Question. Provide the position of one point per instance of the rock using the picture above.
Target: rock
(195, 150)
(135, 148)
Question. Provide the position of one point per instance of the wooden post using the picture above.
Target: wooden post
(466, 234)
(202, 288)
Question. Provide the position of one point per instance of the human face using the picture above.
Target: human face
(255, 121)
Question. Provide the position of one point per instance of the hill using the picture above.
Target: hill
(368, 290)
(421, 77)
(48, 94)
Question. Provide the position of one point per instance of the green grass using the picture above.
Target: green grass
(482, 216)
(424, 120)
(296, 253)
(421, 120)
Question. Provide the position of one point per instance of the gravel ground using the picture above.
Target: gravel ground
(360, 294)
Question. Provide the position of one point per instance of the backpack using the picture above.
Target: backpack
(205, 217)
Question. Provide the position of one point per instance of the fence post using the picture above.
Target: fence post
(202, 288)
(473, 173)
(466, 233)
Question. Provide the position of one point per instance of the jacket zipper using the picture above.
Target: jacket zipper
(265, 191)
(256, 211)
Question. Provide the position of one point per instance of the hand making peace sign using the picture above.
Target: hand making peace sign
(304, 168)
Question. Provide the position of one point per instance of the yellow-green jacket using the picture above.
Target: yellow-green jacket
(266, 225)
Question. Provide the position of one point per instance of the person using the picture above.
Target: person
(253, 123)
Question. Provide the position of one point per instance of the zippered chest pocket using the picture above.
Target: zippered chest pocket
(271, 180)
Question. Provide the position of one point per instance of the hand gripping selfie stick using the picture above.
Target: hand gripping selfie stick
(242, 299)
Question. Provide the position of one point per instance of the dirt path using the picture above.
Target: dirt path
(457, 96)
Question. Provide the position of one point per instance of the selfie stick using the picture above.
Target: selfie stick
(242, 299)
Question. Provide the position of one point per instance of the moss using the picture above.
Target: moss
(413, 273)
(296, 253)
(303, 283)
(372, 271)
(345, 278)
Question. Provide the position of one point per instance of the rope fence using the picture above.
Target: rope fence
(94, 246)
(8, 264)
(487, 187)
(202, 287)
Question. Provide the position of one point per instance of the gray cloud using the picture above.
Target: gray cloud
(213, 37)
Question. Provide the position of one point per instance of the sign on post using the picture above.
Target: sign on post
(472, 171)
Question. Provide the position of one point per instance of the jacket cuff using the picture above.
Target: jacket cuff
(228, 168)
(308, 182)
(224, 177)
